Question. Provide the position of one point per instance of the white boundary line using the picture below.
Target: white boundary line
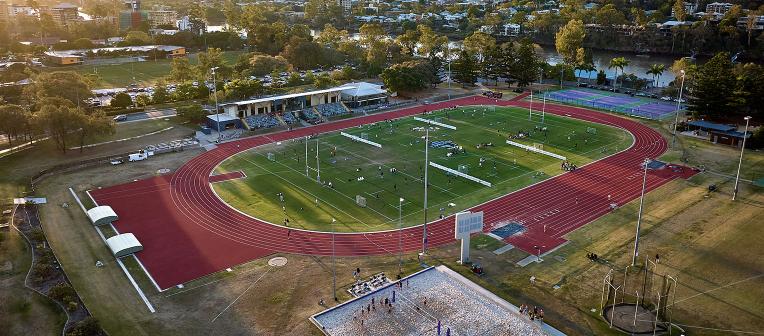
(458, 173)
(435, 123)
(359, 139)
(534, 149)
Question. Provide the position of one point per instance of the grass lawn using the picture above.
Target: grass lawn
(145, 73)
(343, 161)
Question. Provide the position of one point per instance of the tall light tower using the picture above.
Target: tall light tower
(217, 108)
(400, 235)
(334, 265)
(639, 215)
(678, 105)
(740, 162)
(426, 164)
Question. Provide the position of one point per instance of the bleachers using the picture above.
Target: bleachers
(331, 110)
(310, 116)
(261, 121)
(289, 118)
(379, 107)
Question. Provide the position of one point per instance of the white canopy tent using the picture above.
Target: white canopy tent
(124, 244)
(102, 215)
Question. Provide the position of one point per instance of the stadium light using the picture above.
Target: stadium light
(334, 265)
(740, 162)
(639, 215)
(217, 109)
(426, 164)
(678, 104)
(400, 235)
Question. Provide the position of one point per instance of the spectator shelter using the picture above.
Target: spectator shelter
(222, 122)
(283, 103)
(102, 215)
(124, 244)
(717, 133)
(364, 94)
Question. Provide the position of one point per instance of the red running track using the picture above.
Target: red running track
(188, 232)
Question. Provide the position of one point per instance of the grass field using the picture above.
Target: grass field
(145, 73)
(343, 161)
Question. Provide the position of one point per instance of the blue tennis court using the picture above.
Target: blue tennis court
(642, 107)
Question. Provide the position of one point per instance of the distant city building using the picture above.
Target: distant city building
(162, 17)
(718, 7)
(511, 29)
(347, 6)
(132, 17)
(16, 10)
(4, 16)
(758, 22)
(64, 13)
(193, 25)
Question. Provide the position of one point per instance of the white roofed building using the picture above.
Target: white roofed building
(102, 215)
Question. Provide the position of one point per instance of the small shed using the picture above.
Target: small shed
(718, 133)
(102, 215)
(124, 244)
(222, 122)
(363, 94)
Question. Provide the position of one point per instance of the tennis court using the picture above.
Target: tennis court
(642, 107)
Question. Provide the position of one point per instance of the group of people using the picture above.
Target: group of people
(592, 256)
(519, 135)
(493, 94)
(535, 314)
(567, 166)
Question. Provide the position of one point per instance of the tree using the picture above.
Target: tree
(408, 41)
(121, 100)
(609, 15)
(193, 113)
(212, 58)
(264, 64)
(14, 121)
(136, 38)
(569, 40)
(601, 77)
(430, 43)
(493, 64)
(87, 327)
(478, 44)
(67, 85)
(243, 88)
(304, 54)
(93, 125)
(181, 70)
(679, 12)
(465, 68)
(323, 81)
(656, 70)
(618, 63)
(409, 76)
(527, 65)
(331, 37)
(143, 100)
(750, 93)
(59, 121)
(713, 87)
(161, 95)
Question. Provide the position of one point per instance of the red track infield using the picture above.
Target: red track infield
(188, 232)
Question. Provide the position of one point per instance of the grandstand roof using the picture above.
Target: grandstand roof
(291, 95)
(102, 215)
(711, 126)
(362, 89)
(222, 117)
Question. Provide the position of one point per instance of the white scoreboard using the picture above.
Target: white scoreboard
(467, 223)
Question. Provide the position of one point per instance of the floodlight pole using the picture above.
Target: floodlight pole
(334, 265)
(639, 215)
(426, 164)
(448, 56)
(676, 115)
(740, 162)
(217, 109)
(400, 235)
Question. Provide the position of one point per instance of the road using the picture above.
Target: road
(149, 114)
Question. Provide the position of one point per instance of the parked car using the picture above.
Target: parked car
(120, 117)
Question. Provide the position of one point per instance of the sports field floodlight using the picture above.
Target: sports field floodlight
(639, 215)
(678, 106)
(217, 108)
(400, 235)
(740, 162)
(334, 265)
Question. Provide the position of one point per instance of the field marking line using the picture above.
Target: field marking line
(242, 294)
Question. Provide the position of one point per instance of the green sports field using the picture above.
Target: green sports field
(280, 168)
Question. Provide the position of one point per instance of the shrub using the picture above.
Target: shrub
(87, 327)
(62, 292)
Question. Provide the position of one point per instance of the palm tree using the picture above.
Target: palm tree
(656, 70)
(618, 63)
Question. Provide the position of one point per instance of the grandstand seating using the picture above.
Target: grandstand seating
(289, 118)
(262, 121)
(331, 110)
